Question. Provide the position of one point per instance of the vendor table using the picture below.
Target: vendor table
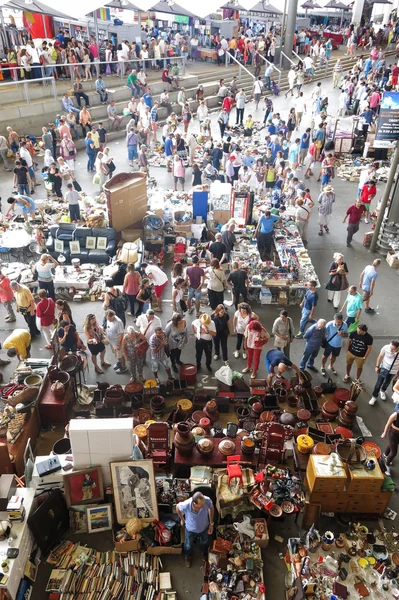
(70, 277)
(12, 455)
(336, 38)
(206, 54)
(183, 463)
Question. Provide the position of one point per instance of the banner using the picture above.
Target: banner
(40, 26)
(387, 132)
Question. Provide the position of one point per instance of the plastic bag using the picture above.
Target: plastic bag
(96, 179)
(225, 375)
(245, 527)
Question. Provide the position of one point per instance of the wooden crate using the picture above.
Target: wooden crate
(319, 477)
(362, 481)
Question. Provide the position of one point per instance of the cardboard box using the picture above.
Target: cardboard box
(133, 546)
(221, 216)
(129, 546)
(392, 259)
(264, 541)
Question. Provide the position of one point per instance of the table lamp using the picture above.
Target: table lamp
(129, 253)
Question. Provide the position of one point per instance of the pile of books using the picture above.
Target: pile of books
(84, 574)
(16, 509)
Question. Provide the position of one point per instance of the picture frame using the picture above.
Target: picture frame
(91, 242)
(30, 570)
(84, 487)
(99, 518)
(134, 490)
(102, 243)
(74, 247)
(59, 246)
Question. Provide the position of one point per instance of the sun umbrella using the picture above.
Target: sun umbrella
(36, 7)
(309, 4)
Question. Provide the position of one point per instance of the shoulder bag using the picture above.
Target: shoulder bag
(143, 345)
(325, 342)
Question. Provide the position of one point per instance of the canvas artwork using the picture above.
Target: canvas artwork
(84, 487)
(74, 247)
(134, 490)
(59, 245)
(99, 518)
(91, 243)
(102, 243)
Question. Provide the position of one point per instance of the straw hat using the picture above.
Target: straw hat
(328, 188)
(205, 320)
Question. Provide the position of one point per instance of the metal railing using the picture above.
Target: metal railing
(297, 55)
(274, 67)
(288, 58)
(25, 86)
(229, 56)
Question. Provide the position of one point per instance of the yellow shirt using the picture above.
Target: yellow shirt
(232, 44)
(20, 340)
(23, 297)
(95, 139)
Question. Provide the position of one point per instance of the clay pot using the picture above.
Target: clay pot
(197, 416)
(292, 400)
(350, 407)
(266, 416)
(256, 410)
(157, 404)
(318, 391)
(198, 431)
(304, 415)
(242, 413)
(322, 449)
(184, 439)
(134, 388)
(247, 446)
(329, 410)
(205, 446)
(211, 411)
(205, 423)
(227, 447)
(58, 389)
(288, 419)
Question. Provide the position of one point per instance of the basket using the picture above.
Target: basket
(351, 453)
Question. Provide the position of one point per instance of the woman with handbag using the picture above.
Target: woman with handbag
(178, 304)
(338, 281)
(176, 333)
(284, 332)
(131, 286)
(131, 345)
(242, 317)
(216, 283)
(223, 331)
(45, 311)
(256, 336)
(95, 341)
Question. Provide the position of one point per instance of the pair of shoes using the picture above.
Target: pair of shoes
(346, 379)
(254, 375)
(369, 310)
(116, 366)
(320, 233)
(333, 371)
(299, 336)
(216, 357)
(236, 354)
(244, 355)
(246, 370)
(323, 372)
(10, 319)
(383, 395)
(4, 362)
(98, 370)
(121, 370)
(105, 364)
(312, 368)
(372, 400)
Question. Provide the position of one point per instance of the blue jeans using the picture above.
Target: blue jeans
(350, 320)
(135, 88)
(308, 357)
(132, 300)
(23, 188)
(74, 212)
(267, 82)
(90, 162)
(132, 152)
(103, 95)
(189, 540)
(305, 320)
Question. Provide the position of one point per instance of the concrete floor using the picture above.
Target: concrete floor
(383, 326)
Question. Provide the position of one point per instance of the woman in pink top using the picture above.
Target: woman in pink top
(179, 172)
(6, 297)
(131, 286)
(256, 336)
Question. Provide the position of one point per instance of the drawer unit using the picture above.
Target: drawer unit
(321, 479)
(330, 502)
(363, 503)
(362, 481)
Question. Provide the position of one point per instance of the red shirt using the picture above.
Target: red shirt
(6, 293)
(228, 103)
(45, 311)
(355, 213)
(367, 193)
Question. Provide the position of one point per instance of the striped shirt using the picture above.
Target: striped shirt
(157, 351)
(154, 114)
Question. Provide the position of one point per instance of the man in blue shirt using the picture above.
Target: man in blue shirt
(169, 150)
(264, 234)
(68, 106)
(308, 306)
(367, 283)
(148, 97)
(304, 147)
(275, 358)
(314, 337)
(336, 331)
(196, 515)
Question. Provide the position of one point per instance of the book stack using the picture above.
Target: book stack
(16, 509)
(84, 574)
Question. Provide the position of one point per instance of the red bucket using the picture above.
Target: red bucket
(189, 374)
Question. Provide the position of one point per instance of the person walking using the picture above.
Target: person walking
(160, 280)
(238, 279)
(26, 306)
(131, 286)
(368, 192)
(44, 268)
(336, 331)
(195, 277)
(95, 342)
(229, 240)
(338, 281)
(6, 297)
(302, 216)
(196, 515)
(114, 332)
(386, 367)
(177, 336)
(134, 359)
(223, 121)
(354, 212)
(240, 106)
(284, 332)
(223, 331)
(368, 278)
(314, 337)
(291, 81)
(45, 312)
(72, 197)
(216, 277)
(308, 306)
(325, 200)
(354, 305)
(204, 330)
(358, 348)
(255, 337)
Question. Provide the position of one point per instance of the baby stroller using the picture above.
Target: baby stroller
(275, 88)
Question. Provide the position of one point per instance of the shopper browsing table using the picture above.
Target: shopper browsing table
(17, 344)
(336, 331)
(386, 367)
(264, 234)
(277, 359)
(26, 306)
(204, 330)
(284, 333)
(392, 429)
(358, 348)
(314, 337)
(196, 515)
(160, 280)
(256, 336)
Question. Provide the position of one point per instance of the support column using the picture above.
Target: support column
(289, 31)
(357, 11)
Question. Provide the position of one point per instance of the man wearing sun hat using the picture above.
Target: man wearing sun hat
(204, 330)
(325, 201)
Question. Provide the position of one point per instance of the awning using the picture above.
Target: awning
(267, 9)
(36, 7)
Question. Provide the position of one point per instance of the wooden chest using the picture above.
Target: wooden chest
(329, 502)
(368, 503)
(362, 481)
(320, 478)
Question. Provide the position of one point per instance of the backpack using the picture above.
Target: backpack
(118, 303)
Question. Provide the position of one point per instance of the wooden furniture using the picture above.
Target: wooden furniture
(272, 447)
(12, 455)
(348, 489)
(23, 541)
(126, 195)
(158, 445)
(182, 464)
(55, 409)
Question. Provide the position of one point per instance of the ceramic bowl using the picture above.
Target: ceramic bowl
(205, 446)
(227, 447)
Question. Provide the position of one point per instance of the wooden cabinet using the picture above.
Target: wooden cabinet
(362, 481)
(320, 478)
(12, 455)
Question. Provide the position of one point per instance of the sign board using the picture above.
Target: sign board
(387, 133)
(182, 19)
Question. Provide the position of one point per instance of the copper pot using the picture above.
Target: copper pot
(304, 415)
(211, 411)
(184, 439)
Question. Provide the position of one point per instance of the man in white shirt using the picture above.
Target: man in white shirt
(202, 113)
(300, 108)
(34, 53)
(240, 105)
(181, 97)
(26, 156)
(386, 366)
(204, 330)
(257, 91)
(4, 151)
(342, 104)
(148, 323)
(142, 79)
(114, 332)
(160, 280)
(308, 64)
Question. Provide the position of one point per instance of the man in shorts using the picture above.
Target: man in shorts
(359, 346)
(195, 277)
(160, 280)
(336, 331)
(367, 283)
(158, 342)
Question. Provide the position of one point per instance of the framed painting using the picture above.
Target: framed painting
(99, 518)
(134, 489)
(59, 246)
(102, 243)
(91, 243)
(74, 247)
(84, 487)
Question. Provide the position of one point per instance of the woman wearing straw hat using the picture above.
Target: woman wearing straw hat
(326, 200)
(204, 330)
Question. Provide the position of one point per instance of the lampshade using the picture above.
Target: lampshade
(129, 253)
